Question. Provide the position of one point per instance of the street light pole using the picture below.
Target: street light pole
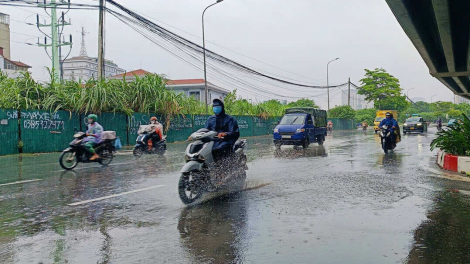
(328, 81)
(432, 97)
(206, 91)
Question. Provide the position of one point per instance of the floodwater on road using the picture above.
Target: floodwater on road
(344, 202)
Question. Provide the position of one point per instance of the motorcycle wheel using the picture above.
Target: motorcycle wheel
(68, 160)
(138, 152)
(188, 190)
(384, 146)
(106, 157)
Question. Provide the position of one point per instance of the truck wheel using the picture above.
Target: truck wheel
(320, 140)
(306, 143)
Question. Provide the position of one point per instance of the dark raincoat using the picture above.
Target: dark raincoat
(223, 123)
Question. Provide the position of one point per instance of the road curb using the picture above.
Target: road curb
(453, 163)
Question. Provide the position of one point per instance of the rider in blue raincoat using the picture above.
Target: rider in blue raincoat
(392, 125)
(226, 126)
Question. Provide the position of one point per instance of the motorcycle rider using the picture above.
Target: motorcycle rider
(226, 126)
(93, 134)
(156, 131)
(392, 125)
(229, 132)
(439, 123)
(330, 126)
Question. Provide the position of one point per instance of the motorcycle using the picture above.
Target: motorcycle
(439, 126)
(76, 153)
(199, 174)
(386, 139)
(150, 147)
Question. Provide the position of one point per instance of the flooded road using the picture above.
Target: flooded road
(345, 202)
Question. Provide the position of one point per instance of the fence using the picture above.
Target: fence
(33, 131)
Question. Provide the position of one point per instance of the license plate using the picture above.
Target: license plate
(412, 128)
(284, 136)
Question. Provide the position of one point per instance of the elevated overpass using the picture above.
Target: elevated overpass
(440, 31)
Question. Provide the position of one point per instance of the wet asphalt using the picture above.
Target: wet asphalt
(344, 202)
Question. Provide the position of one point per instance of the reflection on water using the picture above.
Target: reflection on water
(315, 151)
(445, 236)
(215, 232)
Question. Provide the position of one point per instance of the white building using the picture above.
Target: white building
(357, 101)
(460, 100)
(84, 68)
(188, 87)
(418, 99)
(196, 89)
(12, 68)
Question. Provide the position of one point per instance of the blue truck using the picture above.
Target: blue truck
(300, 127)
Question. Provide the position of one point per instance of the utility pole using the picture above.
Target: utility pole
(55, 38)
(349, 91)
(101, 69)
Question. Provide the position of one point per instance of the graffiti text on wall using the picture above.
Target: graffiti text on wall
(41, 120)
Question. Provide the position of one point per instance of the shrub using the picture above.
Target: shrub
(456, 139)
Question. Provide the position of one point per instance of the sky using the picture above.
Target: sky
(293, 39)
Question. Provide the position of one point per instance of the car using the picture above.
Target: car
(451, 122)
(415, 124)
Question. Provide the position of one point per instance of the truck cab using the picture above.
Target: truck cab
(298, 128)
(380, 115)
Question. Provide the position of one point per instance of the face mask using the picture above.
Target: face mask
(153, 122)
(217, 109)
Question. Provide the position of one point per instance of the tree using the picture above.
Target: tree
(383, 89)
(367, 115)
(302, 103)
(398, 103)
(344, 111)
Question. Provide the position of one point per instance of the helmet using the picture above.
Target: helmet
(153, 118)
(93, 116)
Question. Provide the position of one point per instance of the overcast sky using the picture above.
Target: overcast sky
(298, 36)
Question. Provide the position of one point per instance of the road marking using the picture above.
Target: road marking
(115, 195)
(20, 182)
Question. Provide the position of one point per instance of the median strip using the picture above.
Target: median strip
(115, 195)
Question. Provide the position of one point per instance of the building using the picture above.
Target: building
(5, 34)
(188, 87)
(130, 76)
(85, 68)
(196, 89)
(418, 99)
(12, 68)
(460, 100)
(357, 101)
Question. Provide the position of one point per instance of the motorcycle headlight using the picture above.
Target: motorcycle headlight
(300, 130)
(276, 130)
